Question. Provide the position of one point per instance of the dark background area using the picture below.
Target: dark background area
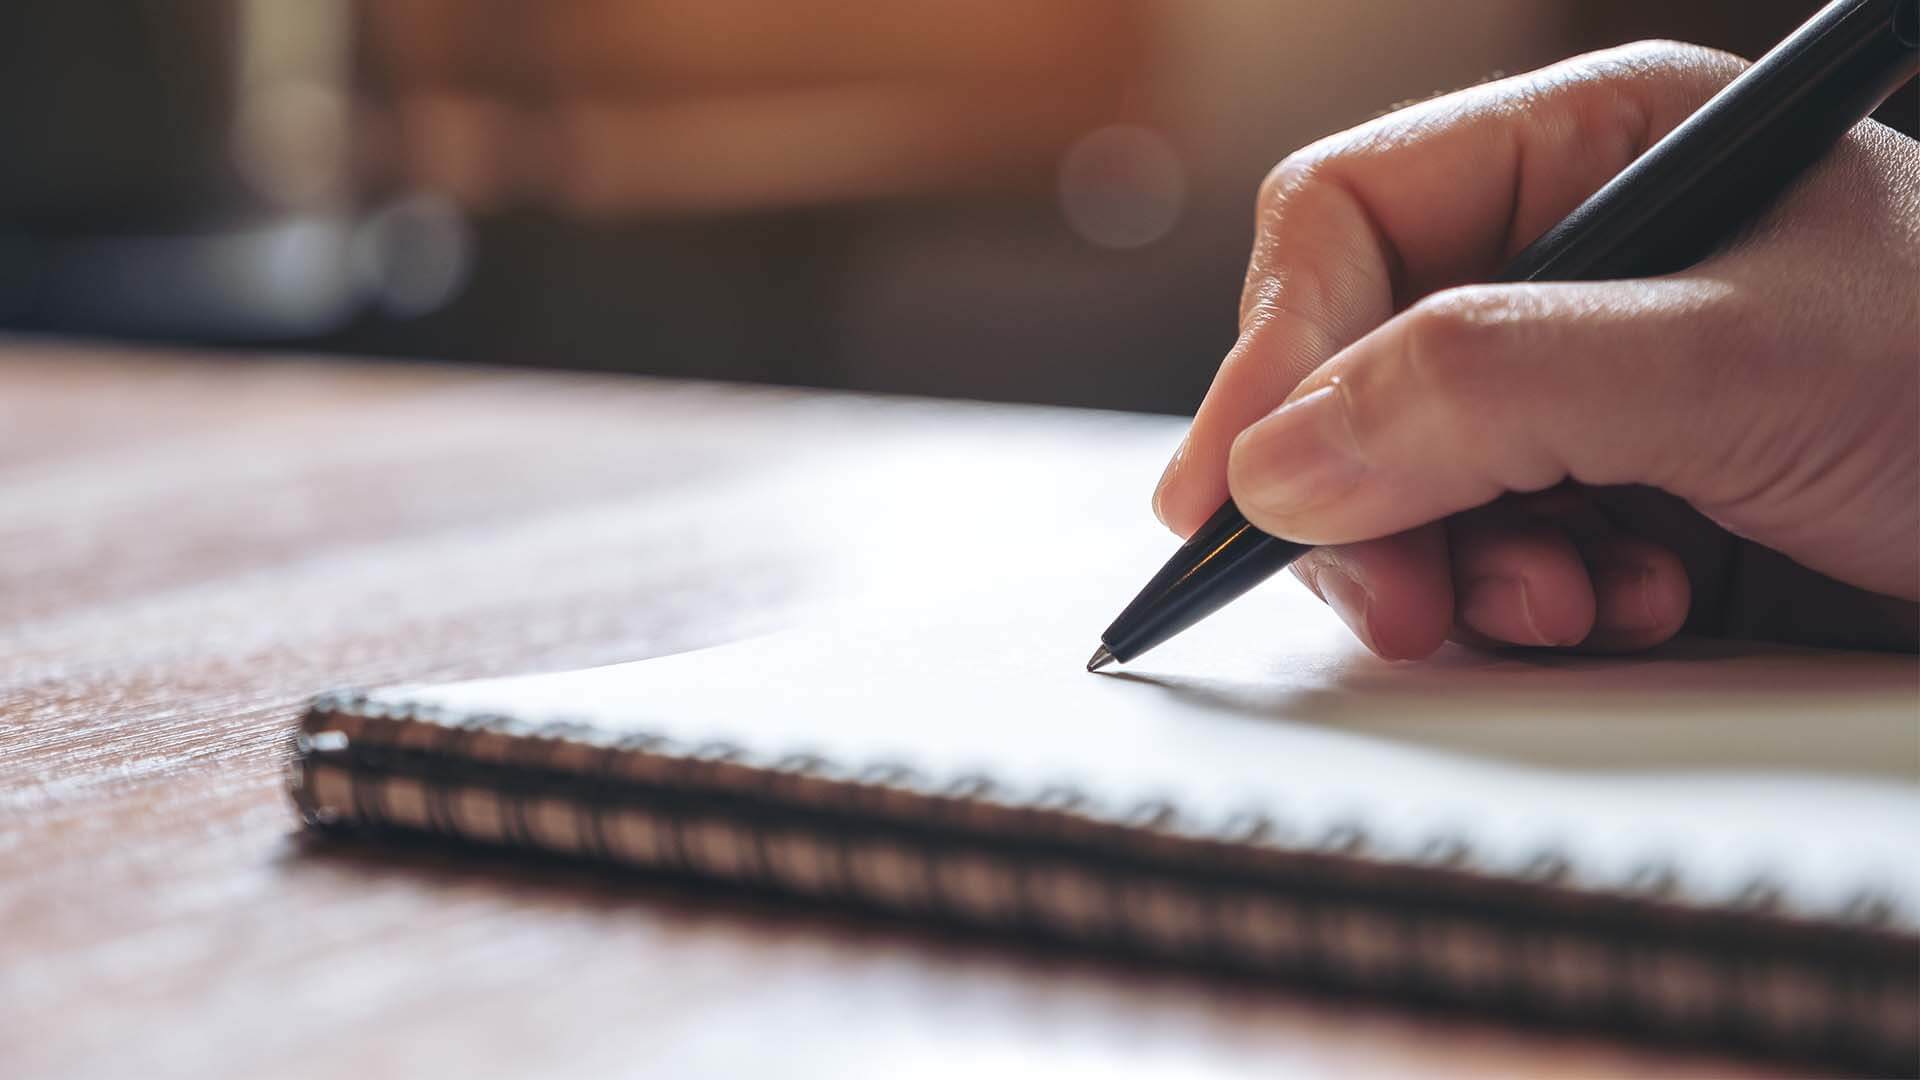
(980, 198)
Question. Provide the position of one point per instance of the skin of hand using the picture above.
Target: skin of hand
(1732, 450)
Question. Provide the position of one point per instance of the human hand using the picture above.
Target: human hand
(1734, 449)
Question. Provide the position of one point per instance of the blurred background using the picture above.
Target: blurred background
(986, 198)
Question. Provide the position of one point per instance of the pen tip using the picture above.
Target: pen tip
(1101, 658)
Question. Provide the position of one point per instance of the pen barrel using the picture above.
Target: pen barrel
(1224, 559)
(1719, 169)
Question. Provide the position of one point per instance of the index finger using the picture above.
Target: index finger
(1360, 224)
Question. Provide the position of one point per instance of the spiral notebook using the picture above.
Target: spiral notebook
(1716, 842)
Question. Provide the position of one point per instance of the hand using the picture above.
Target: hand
(1734, 449)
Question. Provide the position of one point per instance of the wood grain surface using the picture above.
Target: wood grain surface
(191, 546)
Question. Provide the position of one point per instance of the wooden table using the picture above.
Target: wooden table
(190, 547)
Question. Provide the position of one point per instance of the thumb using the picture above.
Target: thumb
(1481, 391)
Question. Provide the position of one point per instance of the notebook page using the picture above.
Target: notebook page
(1724, 762)
(1004, 547)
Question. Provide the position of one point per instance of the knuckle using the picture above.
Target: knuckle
(1284, 280)
(1322, 161)
(1650, 70)
(1465, 356)
(1451, 341)
(1261, 293)
(1620, 92)
(1294, 172)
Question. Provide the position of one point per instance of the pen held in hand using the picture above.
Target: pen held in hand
(1669, 208)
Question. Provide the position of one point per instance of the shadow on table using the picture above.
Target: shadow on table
(1695, 704)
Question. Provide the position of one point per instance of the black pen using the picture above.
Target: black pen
(1665, 211)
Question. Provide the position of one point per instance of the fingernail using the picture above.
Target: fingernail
(1166, 476)
(1298, 458)
(1624, 598)
(1501, 608)
(1348, 599)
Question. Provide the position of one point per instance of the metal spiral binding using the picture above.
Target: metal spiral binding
(643, 801)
